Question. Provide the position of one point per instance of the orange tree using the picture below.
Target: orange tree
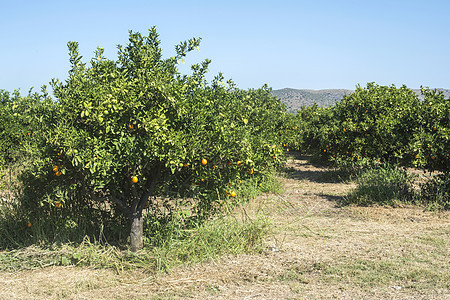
(431, 143)
(130, 130)
(313, 125)
(431, 147)
(375, 123)
(22, 121)
(380, 124)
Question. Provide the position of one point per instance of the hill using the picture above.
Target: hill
(295, 98)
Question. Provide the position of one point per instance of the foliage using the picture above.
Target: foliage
(435, 193)
(382, 185)
(430, 146)
(23, 121)
(380, 124)
(135, 133)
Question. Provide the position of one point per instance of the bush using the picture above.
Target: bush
(435, 193)
(383, 186)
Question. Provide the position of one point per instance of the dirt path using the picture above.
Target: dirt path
(318, 250)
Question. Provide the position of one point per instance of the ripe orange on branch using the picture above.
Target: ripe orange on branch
(204, 161)
(134, 179)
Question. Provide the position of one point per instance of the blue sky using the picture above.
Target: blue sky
(297, 44)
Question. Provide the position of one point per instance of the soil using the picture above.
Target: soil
(317, 250)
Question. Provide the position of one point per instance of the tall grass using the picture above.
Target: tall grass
(435, 193)
(386, 185)
(225, 235)
(390, 185)
(61, 239)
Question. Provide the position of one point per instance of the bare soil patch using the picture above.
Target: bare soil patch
(318, 250)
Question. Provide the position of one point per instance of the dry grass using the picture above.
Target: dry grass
(318, 250)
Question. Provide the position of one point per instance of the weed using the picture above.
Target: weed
(435, 193)
(382, 185)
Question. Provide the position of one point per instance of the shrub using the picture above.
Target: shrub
(435, 193)
(383, 186)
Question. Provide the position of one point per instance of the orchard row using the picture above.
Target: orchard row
(130, 132)
(378, 124)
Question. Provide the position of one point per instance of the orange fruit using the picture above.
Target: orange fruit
(233, 194)
(58, 173)
(29, 224)
(238, 163)
(250, 171)
(130, 126)
(134, 179)
(185, 165)
(260, 184)
(58, 204)
(204, 161)
(55, 168)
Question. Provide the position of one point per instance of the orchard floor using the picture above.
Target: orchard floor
(317, 250)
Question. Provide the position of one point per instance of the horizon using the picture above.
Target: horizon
(285, 44)
(412, 88)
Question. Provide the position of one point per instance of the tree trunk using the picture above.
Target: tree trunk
(137, 231)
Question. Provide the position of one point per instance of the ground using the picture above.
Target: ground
(317, 250)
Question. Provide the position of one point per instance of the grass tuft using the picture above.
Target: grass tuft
(383, 186)
(226, 235)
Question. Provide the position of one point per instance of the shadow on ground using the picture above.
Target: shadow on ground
(301, 167)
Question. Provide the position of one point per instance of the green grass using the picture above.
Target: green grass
(393, 186)
(383, 186)
(167, 244)
(435, 193)
(225, 235)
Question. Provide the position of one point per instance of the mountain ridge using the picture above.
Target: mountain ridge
(296, 98)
